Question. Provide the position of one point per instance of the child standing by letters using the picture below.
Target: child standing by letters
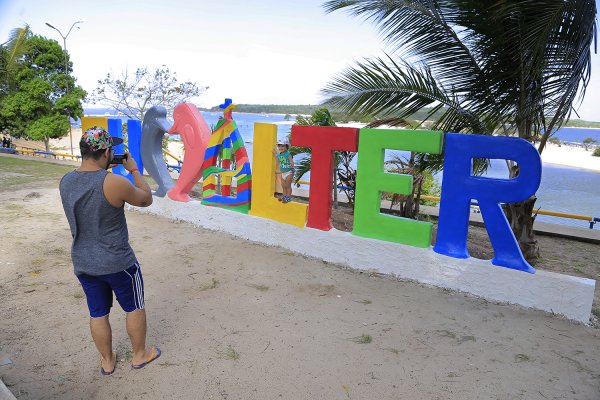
(286, 168)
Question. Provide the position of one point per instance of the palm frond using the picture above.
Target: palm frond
(393, 121)
(301, 168)
(387, 88)
(419, 31)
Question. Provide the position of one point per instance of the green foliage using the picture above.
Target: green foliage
(596, 152)
(48, 126)
(578, 123)
(37, 95)
(424, 184)
(459, 59)
(487, 66)
(555, 141)
(587, 142)
(431, 187)
(133, 94)
(307, 109)
(10, 53)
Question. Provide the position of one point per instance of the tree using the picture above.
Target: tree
(587, 142)
(10, 53)
(35, 103)
(133, 94)
(556, 141)
(489, 67)
(423, 184)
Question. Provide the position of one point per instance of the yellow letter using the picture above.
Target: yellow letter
(88, 122)
(264, 204)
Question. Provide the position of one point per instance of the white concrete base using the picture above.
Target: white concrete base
(5, 394)
(560, 294)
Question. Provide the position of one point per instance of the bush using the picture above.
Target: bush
(596, 152)
(588, 142)
(555, 141)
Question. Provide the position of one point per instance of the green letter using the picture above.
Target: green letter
(371, 181)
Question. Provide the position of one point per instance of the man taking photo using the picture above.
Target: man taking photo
(103, 260)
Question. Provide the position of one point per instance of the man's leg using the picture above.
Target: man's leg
(102, 335)
(136, 329)
(129, 289)
(99, 299)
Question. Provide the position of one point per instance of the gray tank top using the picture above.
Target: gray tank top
(99, 230)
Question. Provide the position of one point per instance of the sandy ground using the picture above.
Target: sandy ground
(238, 320)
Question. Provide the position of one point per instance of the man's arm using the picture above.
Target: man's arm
(119, 190)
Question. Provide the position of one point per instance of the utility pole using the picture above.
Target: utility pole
(67, 69)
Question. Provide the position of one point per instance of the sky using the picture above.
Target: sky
(255, 52)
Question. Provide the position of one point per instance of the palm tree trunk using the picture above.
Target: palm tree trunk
(335, 192)
(521, 219)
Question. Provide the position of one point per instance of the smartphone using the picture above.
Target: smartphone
(118, 158)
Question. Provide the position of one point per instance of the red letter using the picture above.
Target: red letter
(324, 141)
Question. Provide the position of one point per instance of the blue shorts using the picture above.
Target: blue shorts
(128, 286)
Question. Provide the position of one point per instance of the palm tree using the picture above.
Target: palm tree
(10, 53)
(513, 67)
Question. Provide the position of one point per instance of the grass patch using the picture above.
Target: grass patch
(37, 272)
(362, 339)
(57, 251)
(230, 354)
(521, 358)
(14, 207)
(596, 312)
(38, 262)
(446, 333)
(262, 288)
(213, 285)
(365, 301)
(31, 173)
(467, 339)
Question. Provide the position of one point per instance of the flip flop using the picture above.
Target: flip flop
(142, 365)
(103, 372)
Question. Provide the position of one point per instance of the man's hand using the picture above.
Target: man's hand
(129, 162)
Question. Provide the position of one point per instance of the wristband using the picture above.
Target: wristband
(133, 170)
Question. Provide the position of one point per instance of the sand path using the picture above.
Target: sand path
(238, 320)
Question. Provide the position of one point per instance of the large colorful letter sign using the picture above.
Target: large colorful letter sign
(154, 127)
(217, 163)
(459, 187)
(371, 181)
(325, 141)
(194, 132)
(264, 204)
